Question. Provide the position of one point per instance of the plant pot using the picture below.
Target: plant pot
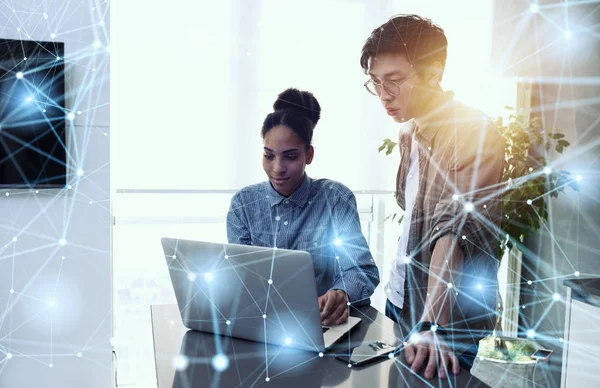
(504, 374)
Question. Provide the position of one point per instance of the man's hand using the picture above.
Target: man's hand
(431, 350)
(333, 307)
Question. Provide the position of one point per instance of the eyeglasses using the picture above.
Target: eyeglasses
(392, 87)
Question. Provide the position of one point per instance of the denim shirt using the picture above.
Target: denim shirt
(321, 218)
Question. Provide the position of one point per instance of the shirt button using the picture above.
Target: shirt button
(277, 218)
(286, 202)
(285, 223)
(316, 244)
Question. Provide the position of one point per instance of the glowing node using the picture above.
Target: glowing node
(457, 293)
(19, 29)
(464, 237)
(14, 239)
(415, 338)
(52, 302)
(433, 328)
(561, 339)
(37, 191)
(191, 276)
(568, 34)
(534, 8)
(320, 354)
(337, 242)
(348, 304)
(58, 58)
(578, 178)
(523, 307)
(267, 379)
(556, 296)
(264, 316)
(529, 201)
(220, 362)
(79, 172)
(172, 322)
(79, 355)
(529, 282)
(62, 242)
(9, 355)
(208, 276)
(71, 116)
(576, 273)
(270, 281)
(485, 206)
(97, 44)
(53, 35)
(407, 259)
(44, 110)
(547, 170)
(288, 340)
(349, 365)
(19, 75)
(46, 16)
(391, 355)
(12, 291)
(50, 365)
(91, 202)
(101, 23)
(226, 257)
(450, 285)
(479, 286)
(29, 99)
(78, 112)
(69, 187)
(530, 169)
(455, 197)
(7, 194)
(174, 256)
(337, 257)
(469, 207)
(181, 362)
(228, 322)
(530, 333)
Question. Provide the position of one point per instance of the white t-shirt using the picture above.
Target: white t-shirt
(395, 287)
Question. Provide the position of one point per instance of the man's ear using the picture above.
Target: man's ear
(434, 74)
(310, 154)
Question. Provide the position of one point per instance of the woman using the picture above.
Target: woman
(293, 211)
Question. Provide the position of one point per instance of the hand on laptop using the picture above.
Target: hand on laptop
(334, 308)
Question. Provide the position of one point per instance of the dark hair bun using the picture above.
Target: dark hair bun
(300, 101)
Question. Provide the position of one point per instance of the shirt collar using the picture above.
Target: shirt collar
(299, 197)
(428, 131)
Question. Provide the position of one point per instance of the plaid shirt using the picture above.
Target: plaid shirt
(319, 213)
(461, 161)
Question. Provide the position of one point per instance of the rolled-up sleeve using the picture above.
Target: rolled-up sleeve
(358, 275)
(237, 228)
(470, 204)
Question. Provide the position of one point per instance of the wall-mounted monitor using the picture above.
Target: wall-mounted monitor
(33, 146)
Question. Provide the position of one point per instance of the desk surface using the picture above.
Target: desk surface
(185, 358)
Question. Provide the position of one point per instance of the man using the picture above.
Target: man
(443, 283)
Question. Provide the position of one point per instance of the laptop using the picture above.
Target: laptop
(256, 293)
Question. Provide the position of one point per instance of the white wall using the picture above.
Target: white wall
(61, 305)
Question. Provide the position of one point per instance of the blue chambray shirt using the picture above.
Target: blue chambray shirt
(311, 219)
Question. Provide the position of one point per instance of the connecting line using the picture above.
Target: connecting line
(294, 367)
(556, 242)
(295, 318)
(266, 355)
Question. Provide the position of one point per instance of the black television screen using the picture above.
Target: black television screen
(33, 146)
